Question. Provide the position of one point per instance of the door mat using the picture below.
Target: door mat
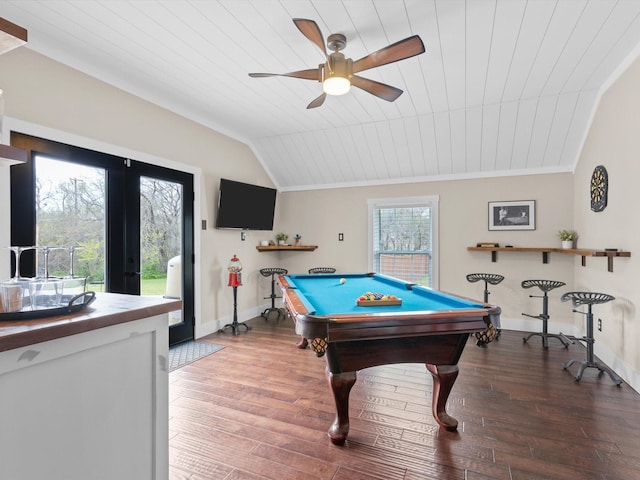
(188, 352)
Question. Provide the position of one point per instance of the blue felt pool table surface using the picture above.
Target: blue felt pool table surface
(325, 295)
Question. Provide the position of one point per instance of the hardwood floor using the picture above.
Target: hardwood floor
(260, 409)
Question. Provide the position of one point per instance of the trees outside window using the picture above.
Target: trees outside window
(160, 229)
(70, 211)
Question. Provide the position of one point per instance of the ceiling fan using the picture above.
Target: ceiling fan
(337, 74)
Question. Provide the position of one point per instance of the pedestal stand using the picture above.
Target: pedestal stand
(235, 280)
(235, 325)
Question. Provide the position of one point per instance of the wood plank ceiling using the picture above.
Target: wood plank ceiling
(505, 87)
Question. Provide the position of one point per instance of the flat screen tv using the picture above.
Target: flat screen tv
(245, 206)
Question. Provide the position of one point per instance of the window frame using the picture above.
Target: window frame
(431, 201)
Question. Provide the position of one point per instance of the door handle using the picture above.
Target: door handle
(132, 274)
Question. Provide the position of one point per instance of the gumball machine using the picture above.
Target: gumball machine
(235, 280)
(235, 267)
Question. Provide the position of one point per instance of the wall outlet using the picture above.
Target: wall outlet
(341, 237)
(599, 324)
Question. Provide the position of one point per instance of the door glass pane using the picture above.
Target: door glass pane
(70, 212)
(161, 240)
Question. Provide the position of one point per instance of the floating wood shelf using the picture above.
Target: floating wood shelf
(296, 248)
(583, 252)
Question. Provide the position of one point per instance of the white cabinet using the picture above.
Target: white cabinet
(93, 405)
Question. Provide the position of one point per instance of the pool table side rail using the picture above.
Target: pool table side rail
(455, 296)
(339, 332)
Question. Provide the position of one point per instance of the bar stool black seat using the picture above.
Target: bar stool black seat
(487, 278)
(482, 338)
(272, 272)
(589, 299)
(545, 286)
(322, 270)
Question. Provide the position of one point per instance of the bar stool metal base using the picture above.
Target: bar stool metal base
(564, 339)
(267, 311)
(589, 299)
(545, 286)
(592, 364)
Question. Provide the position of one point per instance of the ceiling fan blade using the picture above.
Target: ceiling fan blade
(311, 30)
(318, 101)
(310, 74)
(406, 48)
(380, 90)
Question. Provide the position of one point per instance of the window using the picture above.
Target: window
(403, 238)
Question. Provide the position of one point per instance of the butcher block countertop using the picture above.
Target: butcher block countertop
(106, 310)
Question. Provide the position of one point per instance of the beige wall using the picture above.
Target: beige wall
(321, 214)
(47, 99)
(613, 141)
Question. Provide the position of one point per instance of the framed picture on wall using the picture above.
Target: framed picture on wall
(518, 215)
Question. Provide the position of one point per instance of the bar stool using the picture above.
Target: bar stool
(589, 299)
(322, 270)
(273, 271)
(545, 286)
(316, 270)
(483, 338)
(492, 278)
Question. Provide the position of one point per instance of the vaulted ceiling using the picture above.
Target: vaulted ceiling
(505, 86)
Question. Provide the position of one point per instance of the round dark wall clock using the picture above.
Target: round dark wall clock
(599, 188)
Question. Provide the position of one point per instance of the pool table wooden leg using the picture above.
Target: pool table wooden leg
(302, 344)
(444, 376)
(340, 384)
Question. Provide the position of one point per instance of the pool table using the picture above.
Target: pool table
(427, 326)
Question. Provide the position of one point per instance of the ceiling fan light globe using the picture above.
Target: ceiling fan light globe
(336, 85)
